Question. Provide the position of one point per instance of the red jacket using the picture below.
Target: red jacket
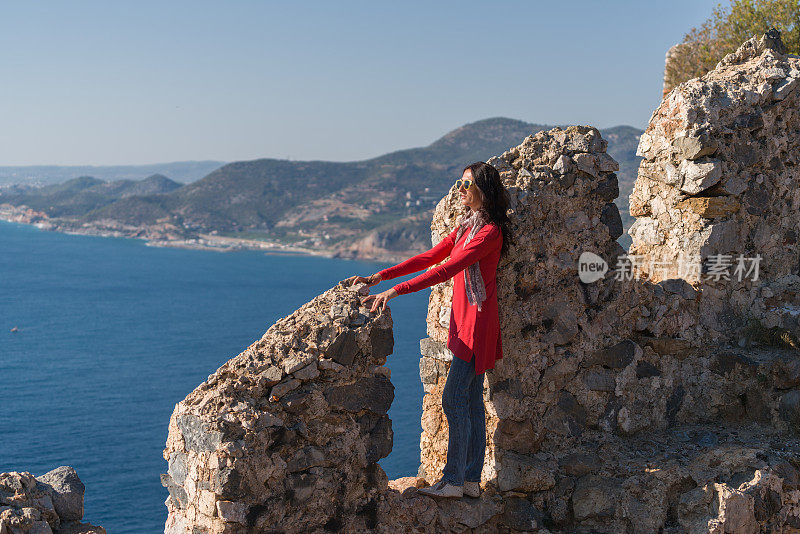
(470, 330)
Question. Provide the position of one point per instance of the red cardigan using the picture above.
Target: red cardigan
(470, 330)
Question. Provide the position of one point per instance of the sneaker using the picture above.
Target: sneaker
(472, 489)
(443, 489)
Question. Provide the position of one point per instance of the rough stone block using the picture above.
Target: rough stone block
(270, 377)
(521, 514)
(369, 393)
(523, 473)
(382, 342)
(284, 387)
(600, 380)
(232, 512)
(617, 356)
(297, 362)
(196, 434)
(66, 491)
(207, 503)
(309, 372)
(595, 497)
(344, 348)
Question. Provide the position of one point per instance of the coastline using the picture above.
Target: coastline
(167, 236)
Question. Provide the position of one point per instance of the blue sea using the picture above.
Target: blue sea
(112, 333)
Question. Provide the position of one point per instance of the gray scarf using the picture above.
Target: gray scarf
(473, 281)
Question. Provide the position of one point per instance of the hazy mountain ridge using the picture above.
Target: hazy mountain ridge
(77, 196)
(181, 171)
(383, 203)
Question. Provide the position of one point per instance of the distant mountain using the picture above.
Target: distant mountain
(182, 171)
(156, 184)
(76, 197)
(477, 140)
(380, 203)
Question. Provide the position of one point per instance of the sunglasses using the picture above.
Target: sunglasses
(466, 183)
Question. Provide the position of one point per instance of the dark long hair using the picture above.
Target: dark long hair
(495, 198)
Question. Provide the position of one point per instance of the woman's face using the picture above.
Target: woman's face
(472, 196)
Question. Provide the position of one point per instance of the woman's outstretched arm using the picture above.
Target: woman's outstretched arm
(422, 260)
(487, 239)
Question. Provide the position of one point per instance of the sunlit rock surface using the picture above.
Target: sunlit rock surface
(719, 183)
(48, 504)
(631, 403)
(286, 436)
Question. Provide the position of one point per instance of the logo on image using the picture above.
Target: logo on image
(591, 267)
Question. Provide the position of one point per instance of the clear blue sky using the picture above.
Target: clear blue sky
(114, 82)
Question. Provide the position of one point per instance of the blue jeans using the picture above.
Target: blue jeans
(462, 402)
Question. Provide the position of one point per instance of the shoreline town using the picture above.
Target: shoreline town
(160, 235)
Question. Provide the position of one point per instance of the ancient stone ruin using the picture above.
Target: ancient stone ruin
(47, 504)
(719, 181)
(285, 437)
(643, 401)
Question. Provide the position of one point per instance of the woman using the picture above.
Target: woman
(474, 247)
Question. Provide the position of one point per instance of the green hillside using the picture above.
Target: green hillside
(312, 202)
(79, 196)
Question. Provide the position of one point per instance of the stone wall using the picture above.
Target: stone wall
(562, 186)
(286, 436)
(47, 504)
(718, 186)
(591, 367)
(624, 404)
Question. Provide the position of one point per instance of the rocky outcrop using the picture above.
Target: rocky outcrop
(716, 198)
(562, 186)
(590, 368)
(623, 403)
(286, 436)
(50, 503)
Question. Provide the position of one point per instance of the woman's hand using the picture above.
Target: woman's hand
(370, 280)
(379, 300)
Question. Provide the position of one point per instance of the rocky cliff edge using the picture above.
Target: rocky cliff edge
(654, 402)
